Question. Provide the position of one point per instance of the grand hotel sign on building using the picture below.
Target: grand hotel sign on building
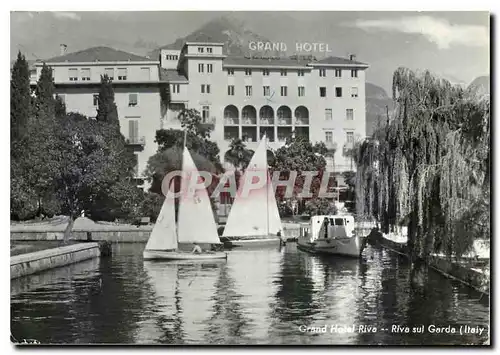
(307, 47)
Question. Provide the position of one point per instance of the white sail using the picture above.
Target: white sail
(254, 213)
(164, 235)
(196, 219)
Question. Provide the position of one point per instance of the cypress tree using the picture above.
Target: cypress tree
(45, 103)
(60, 107)
(106, 107)
(19, 97)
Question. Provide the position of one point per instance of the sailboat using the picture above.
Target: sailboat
(254, 217)
(196, 223)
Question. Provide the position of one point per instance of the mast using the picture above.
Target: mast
(267, 186)
(182, 177)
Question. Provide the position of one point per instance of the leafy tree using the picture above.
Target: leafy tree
(320, 206)
(106, 107)
(192, 121)
(170, 147)
(238, 155)
(92, 175)
(300, 155)
(20, 97)
(428, 168)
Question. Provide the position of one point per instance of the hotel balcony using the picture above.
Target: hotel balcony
(301, 116)
(302, 132)
(268, 132)
(249, 121)
(136, 141)
(331, 146)
(302, 121)
(231, 121)
(249, 134)
(209, 121)
(347, 148)
(231, 133)
(284, 133)
(267, 121)
(284, 121)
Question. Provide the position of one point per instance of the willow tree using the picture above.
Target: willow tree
(428, 168)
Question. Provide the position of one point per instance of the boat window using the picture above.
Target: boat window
(339, 221)
(331, 221)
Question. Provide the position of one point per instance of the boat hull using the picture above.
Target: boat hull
(342, 246)
(251, 242)
(174, 255)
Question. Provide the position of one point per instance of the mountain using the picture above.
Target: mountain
(377, 103)
(480, 86)
(227, 30)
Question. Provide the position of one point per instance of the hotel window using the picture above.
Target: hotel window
(95, 99)
(133, 130)
(132, 100)
(349, 114)
(230, 90)
(354, 92)
(265, 72)
(110, 72)
(354, 73)
(322, 72)
(349, 137)
(300, 72)
(248, 90)
(209, 50)
(176, 88)
(248, 72)
(210, 68)
(230, 72)
(122, 73)
(200, 49)
(302, 91)
(73, 74)
(329, 136)
(205, 88)
(338, 73)
(205, 112)
(322, 91)
(283, 72)
(200, 68)
(338, 92)
(145, 74)
(328, 114)
(284, 91)
(267, 91)
(86, 74)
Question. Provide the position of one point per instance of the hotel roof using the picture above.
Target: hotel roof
(265, 62)
(98, 54)
(289, 62)
(171, 75)
(339, 61)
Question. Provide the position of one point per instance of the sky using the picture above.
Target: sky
(454, 45)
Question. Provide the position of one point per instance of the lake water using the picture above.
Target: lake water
(261, 296)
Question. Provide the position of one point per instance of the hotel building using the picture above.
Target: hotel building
(323, 100)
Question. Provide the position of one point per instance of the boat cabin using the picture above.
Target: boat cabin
(339, 226)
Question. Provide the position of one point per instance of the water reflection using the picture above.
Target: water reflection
(265, 296)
